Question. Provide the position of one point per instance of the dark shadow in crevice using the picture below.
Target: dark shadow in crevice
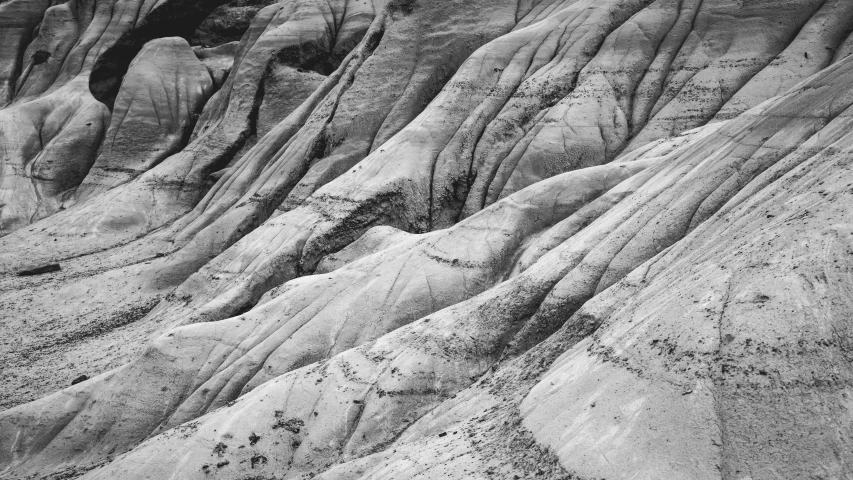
(178, 18)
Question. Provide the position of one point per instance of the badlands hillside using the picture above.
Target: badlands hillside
(426, 239)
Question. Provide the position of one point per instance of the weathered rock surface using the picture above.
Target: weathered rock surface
(448, 239)
(51, 133)
(227, 22)
(218, 60)
(153, 116)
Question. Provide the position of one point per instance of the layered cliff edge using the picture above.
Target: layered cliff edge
(401, 239)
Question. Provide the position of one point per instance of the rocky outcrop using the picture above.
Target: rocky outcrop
(49, 145)
(452, 239)
(53, 129)
(153, 116)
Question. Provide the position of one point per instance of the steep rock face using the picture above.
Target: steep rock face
(153, 115)
(49, 145)
(53, 129)
(296, 33)
(18, 21)
(458, 239)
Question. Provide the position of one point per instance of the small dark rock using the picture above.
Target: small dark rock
(52, 267)
(258, 459)
(40, 57)
(294, 425)
(81, 378)
(220, 449)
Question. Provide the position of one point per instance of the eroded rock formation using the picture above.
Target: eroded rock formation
(410, 239)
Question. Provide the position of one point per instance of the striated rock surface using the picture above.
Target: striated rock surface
(153, 115)
(404, 239)
(52, 131)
